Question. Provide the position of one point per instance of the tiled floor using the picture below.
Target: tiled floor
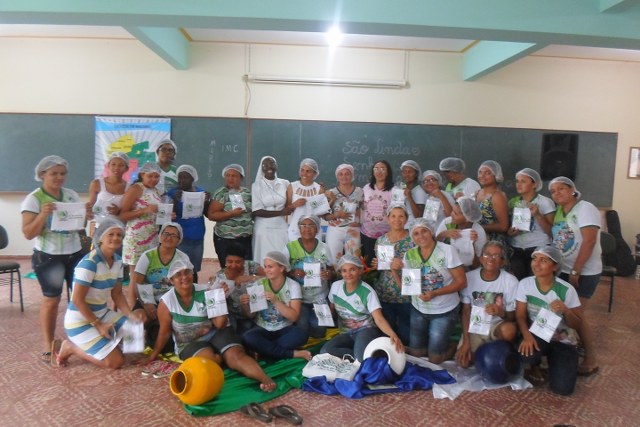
(32, 393)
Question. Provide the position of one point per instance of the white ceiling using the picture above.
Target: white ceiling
(310, 39)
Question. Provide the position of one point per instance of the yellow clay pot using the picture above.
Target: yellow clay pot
(197, 380)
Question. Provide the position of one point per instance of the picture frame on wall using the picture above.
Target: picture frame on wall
(634, 163)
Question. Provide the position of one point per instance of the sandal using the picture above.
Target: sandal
(46, 357)
(587, 372)
(257, 412)
(287, 413)
(535, 376)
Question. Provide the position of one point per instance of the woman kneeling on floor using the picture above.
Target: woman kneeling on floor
(182, 311)
(545, 291)
(89, 323)
(359, 312)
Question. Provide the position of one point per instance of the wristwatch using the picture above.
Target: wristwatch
(574, 273)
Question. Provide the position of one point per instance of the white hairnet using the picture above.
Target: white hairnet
(105, 225)
(313, 218)
(348, 167)
(174, 225)
(397, 205)
(179, 265)
(119, 155)
(349, 259)
(495, 169)
(188, 169)
(469, 209)
(566, 181)
(534, 175)
(312, 164)
(165, 142)
(434, 174)
(413, 165)
(150, 167)
(423, 223)
(280, 258)
(452, 164)
(234, 167)
(47, 163)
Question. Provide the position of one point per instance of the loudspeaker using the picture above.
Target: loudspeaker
(559, 155)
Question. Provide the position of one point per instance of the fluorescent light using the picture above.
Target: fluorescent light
(334, 36)
(324, 81)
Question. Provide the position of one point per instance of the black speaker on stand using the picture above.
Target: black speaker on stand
(559, 155)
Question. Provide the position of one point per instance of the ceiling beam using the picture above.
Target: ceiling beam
(613, 6)
(168, 43)
(485, 57)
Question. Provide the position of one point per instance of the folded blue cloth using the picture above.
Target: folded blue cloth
(375, 376)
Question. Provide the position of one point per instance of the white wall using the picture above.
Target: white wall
(123, 77)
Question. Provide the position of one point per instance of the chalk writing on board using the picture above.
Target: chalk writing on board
(362, 155)
(230, 148)
(212, 148)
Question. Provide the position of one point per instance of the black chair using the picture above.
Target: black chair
(10, 267)
(608, 245)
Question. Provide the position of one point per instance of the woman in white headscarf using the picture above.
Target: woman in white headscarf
(300, 191)
(343, 233)
(269, 197)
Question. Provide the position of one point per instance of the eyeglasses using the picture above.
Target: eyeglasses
(170, 235)
(430, 180)
(492, 256)
(168, 150)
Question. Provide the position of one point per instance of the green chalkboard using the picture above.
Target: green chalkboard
(211, 143)
(362, 144)
(208, 144)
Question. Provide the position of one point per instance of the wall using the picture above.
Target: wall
(122, 77)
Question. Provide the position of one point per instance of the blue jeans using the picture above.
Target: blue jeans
(308, 322)
(432, 331)
(53, 270)
(586, 284)
(352, 342)
(194, 249)
(563, 364)
(398, 314)
(275, 345)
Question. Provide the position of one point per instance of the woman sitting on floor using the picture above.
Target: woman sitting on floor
(182, 313)
(359, 313)
(275, 335)
(238, 273)
(308, 249)
(92, 327)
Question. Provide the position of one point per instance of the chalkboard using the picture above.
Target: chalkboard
(362, 144)
(209, 144)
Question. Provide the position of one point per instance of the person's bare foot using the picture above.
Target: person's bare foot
(60, 353)
(268, 385)
(302, 354)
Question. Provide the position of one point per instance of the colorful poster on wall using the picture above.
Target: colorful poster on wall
(135, 136)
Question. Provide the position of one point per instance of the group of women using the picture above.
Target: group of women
(435, 227)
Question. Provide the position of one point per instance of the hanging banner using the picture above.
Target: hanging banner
(134, 136)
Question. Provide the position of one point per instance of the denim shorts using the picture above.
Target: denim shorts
(586, 284)
(432, 331)
(53, 270)
(220, 340)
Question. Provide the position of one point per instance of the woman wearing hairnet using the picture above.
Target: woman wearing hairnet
(300, 191)
(92, 327)
(492, 201)
(55, 253)
(464, 216)
(230, 208)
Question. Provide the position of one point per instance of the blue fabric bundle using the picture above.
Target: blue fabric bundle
(375, 376)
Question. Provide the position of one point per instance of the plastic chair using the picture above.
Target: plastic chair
(608, 245)
(10, 267)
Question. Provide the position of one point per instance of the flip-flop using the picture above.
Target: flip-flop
(46, 356)
(588, 372)
(536, 377)
(287, 413)
(257, 412)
